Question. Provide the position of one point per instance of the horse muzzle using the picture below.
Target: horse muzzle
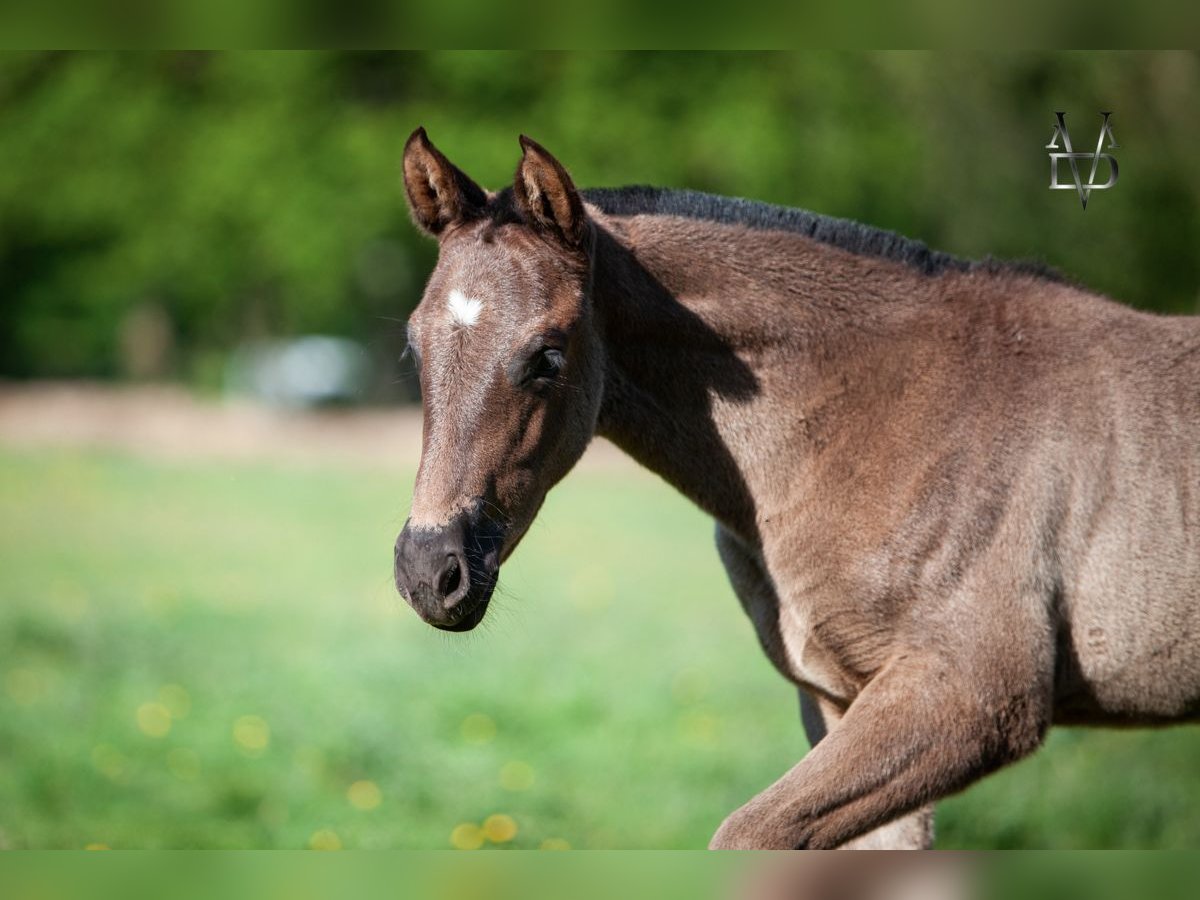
(447, 573)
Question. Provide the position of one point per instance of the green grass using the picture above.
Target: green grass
(615, 697)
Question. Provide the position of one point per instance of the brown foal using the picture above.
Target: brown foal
(959, 501)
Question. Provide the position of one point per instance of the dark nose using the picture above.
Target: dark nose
(448, 573)
(432, 570)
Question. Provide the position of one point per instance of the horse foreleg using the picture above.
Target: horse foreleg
(910, 832)
(923, 728)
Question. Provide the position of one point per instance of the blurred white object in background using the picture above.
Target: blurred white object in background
(314, 370)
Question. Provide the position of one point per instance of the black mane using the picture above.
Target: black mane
(846, 234)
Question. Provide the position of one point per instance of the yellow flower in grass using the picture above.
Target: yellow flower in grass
(699, 727)
(478, 729)
(364, 795)
(252, 735)
(324, 839)
(467, 836)
(500, 829)
(154, 719)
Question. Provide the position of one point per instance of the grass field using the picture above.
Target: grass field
(213, 655)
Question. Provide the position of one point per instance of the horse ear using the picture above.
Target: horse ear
(439, 193)
(546, 195)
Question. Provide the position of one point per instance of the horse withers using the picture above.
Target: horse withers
(959, 501)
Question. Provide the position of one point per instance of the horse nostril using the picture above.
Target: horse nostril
(451, 578)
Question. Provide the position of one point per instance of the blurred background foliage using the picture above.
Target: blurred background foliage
(157, 209)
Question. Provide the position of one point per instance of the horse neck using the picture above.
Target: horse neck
(711, 351)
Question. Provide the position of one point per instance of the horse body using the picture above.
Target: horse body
(893, 451)
(959, 502)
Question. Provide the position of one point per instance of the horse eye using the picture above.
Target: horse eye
(545, 364)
